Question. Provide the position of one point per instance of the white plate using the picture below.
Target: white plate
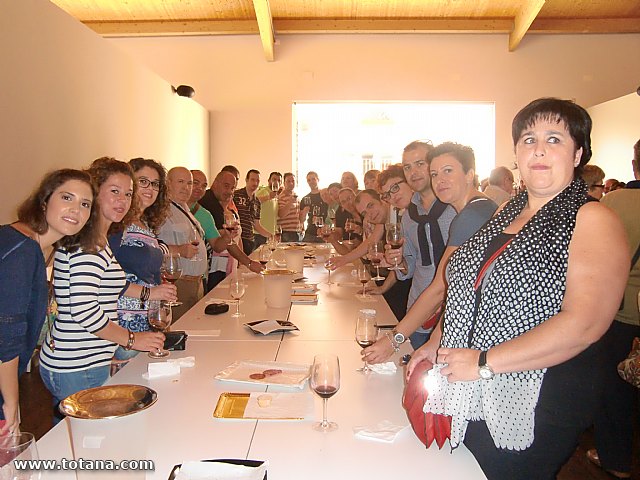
(293, 375)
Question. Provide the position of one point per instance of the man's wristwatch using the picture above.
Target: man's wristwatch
(484, 369)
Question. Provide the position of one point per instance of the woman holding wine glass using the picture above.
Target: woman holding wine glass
(141, 255)
(88, 281)
(159, 319)
(453, 179)
(325, 381)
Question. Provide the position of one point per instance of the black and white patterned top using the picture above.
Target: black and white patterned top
(524, 287)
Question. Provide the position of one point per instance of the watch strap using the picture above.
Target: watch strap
(482, 360)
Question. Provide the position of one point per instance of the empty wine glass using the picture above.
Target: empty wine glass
(363, 278)
(19, 446)
(327, 266)
(394, 239)
(277, 236)
(325, 381)
(366, 332)
(171, 271)
(236, 290)
(376, 253)
(159, 319)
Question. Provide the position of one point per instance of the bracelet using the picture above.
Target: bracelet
(396, 347)
(145, 294)
(130, 341)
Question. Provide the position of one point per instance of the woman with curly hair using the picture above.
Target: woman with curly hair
(54, 214)
(139, 252)
(88, 280)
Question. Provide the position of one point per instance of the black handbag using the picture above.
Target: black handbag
(176, 340)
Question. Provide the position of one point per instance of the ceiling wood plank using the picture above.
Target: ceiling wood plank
(585, 25)
(524, 18)
(171, 28)
(413, 25)
(265, 25)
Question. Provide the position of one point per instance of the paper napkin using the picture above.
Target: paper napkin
(219, 470)
(266, 327)
(168, 368)
(387, 368)
(385, 431)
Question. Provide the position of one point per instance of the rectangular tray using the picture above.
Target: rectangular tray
(231, 405)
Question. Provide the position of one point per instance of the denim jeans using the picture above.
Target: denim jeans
(418, 339)
(61, 385)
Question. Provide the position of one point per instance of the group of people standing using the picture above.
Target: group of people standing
(512, 301)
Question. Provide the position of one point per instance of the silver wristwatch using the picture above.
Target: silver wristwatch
(398, 337)
(484, 369)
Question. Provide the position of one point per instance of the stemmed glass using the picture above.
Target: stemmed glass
(366, 333)
(325, 231)
(159, 320)
(375, 255)
(363, 278)
(194, 239)
(171, 271)
(325, 381)
(265, 254)
(394, 239)
(19, 446)
(349, 227)
(327, 266)
(236, 290)
(230, 224)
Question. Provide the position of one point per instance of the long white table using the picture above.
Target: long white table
(180, 426)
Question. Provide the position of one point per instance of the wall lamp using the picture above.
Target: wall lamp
(184, 91)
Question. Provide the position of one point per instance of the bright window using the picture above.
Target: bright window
(330, 138)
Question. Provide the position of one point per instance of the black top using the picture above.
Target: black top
(211, 203)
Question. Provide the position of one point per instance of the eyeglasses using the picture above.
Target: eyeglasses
(145, 182)
(392, 190)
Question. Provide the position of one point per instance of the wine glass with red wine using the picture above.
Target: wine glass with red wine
(171, 271)
(376, 252)
(230, 224)
(159, 320)
(325, 381)
(366, 333)
(394, 239)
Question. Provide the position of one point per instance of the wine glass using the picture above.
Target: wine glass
(327, 266)
(277, 236)
(265, 254)
(363, 278)
(394, 239)
(159, 320)
(230, 224)
(376, 253)
(18, 446)
(171, 271)
(325, 231)
(194, 239)
(236, 290)
(325, 381)
(366, 333)
(349, 227)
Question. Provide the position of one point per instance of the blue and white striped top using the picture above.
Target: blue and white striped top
(87, 287)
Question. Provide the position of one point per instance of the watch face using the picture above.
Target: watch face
(398, 337)
(485, 372)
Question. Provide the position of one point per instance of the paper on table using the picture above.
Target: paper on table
(302, 288)
(202, 333)
(387, 368)
(304, 299)
(229, 301)
(279, 406)
(293, 375)
(219, 471)
(385, 431)
(266, 327)
(161, 369)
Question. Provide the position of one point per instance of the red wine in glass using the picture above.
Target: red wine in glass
(325, 391)
(365, 343)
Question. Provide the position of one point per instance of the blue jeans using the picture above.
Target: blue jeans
(61, 385)
(122, 354)
(418, 339)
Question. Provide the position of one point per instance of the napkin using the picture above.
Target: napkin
(266, 327)
(219, 471)
(387, 368)
(385, 431)
(279, 406)
(228, 301)
(169, 368)
(161, 369)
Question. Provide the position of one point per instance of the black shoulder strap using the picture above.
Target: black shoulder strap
(195, 224)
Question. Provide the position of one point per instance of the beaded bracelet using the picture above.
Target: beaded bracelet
(130, 341)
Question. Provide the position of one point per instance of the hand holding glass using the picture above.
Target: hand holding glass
(394, 239)
(171, 271)
(194, 239)
(230, 224)
(325, 381)
(366, 333)
(159, 320)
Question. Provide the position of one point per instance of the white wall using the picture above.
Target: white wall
(250, 99)
(67, 96)
(616, 129)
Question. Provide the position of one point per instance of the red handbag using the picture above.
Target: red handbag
(427, 426)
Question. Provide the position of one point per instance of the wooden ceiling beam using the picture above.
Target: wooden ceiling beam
(585, 25)
(403, 25)
(265, 25)
(523, 20)
(170, 28)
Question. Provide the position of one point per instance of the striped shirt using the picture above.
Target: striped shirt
(87, 287)
(288, 212)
